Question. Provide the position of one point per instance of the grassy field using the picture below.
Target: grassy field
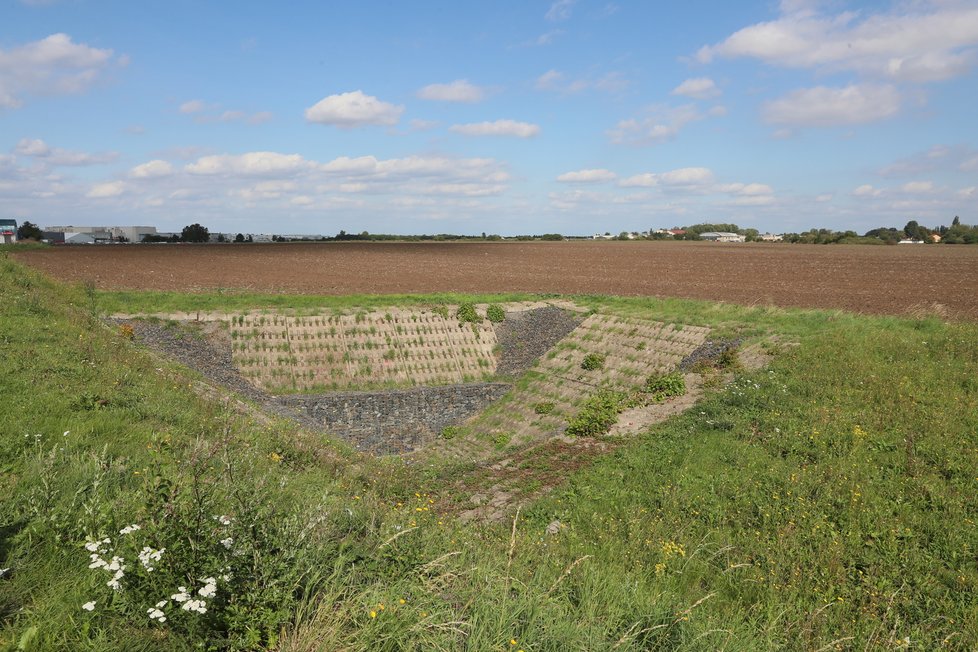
(827, 502)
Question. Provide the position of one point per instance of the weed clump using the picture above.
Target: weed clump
(663, 386)
(544, 407)
(598, 414)
(495, 313)
(592, 361)
(451, 432)
(467, 313)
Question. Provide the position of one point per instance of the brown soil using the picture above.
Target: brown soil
(916, 280)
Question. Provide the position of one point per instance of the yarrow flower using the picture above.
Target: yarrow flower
(155, 613)
(181, 595)
(209, 589)
(223, 520)
(227, 543)
(129, 529)
(89, 606)
(195, 605)
(147, 557)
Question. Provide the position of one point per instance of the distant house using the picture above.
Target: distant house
(770, 237)
(934, 237)
(676, 232)
(722, 236)
(8, 231)
(910, 241)
(602, 236)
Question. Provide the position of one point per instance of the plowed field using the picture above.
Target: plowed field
(891, 280)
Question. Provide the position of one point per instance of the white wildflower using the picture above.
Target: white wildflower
(209, 589)
(195, 605)
(227, 543)
(181, 595)
(116, 564)
(97, 561)
(129, 529)
(66, 433)
(223, 520)
(156, 614)
(148, 557)
(89, 606)
(114, 582)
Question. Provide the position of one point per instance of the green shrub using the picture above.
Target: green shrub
(592, 361)
(441, 311)
(598, 414)
(663, 386)
(495, 313)
(467, 313)
(451, 432)
(544, 407)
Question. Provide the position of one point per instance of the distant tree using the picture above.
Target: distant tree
(249, 238)
(221, 238)
(239, 237)
(195, 233)
(29, 231)
(956, 221)
(551, 236)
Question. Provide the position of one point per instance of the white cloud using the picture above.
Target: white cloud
(459, 90)
(497, 128)
(252, 163)
(152, 170)
(646, 180)
(106, 190)
(301, 200)
(660, 123)
(823, 198)
(687, 177)
(193, 106)
(56, 156)
(825, 107)
(51, 66)
(560, 10)
(917, 187)
(968, 193)
(553, 80)
(746, 189)
(587, 176)
(866, 190)
(697, 88)
(355, 109)
(928, 40)
(971, 165)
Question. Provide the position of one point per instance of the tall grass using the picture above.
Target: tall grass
(826, 502)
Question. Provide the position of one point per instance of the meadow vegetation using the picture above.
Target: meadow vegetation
(824, 502)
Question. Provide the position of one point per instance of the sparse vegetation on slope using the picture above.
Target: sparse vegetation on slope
(825, 501)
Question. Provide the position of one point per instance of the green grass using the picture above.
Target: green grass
(827, 502)
(131, 302)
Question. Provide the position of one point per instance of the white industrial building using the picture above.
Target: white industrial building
(106, 233)
(722, 236)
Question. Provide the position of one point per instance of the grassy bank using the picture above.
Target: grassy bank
(826, 502)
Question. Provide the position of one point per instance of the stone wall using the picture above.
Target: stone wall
(396, 421)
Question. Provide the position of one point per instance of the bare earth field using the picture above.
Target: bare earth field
(915, 279)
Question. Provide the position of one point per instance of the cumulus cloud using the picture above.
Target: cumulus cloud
(497, 128)
(693, 176)
(917, 187)
(106, 190)
(659, 124)
(826, 107)
(56, 156)
(459, 90)
(252, 163)
(866, 190)
(929, 40)
(587, 176)
(54, 65)
(152, 170)
(355, 109)
(697, 88)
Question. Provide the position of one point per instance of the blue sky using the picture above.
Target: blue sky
(571, 116)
